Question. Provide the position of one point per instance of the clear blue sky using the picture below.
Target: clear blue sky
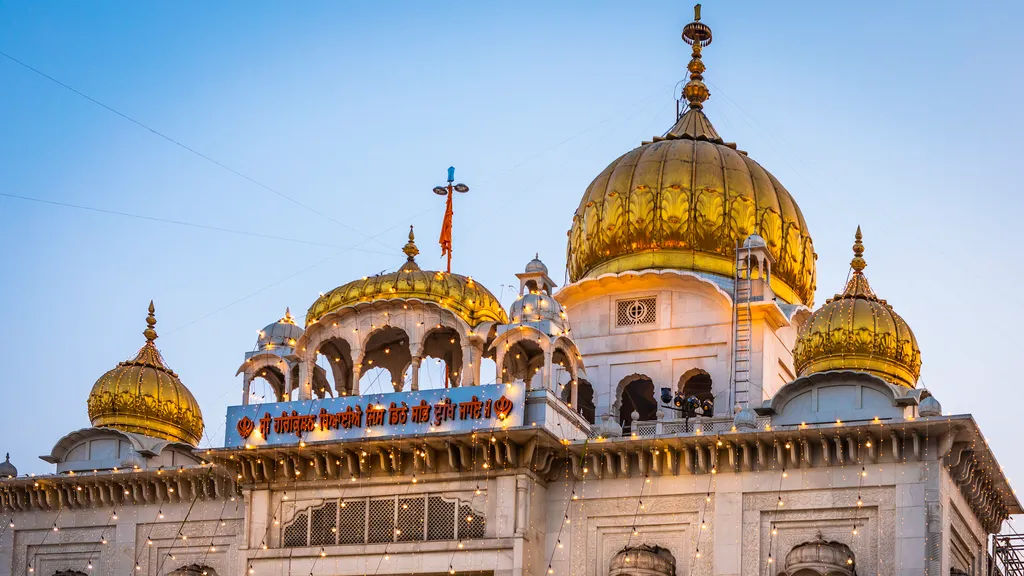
(902, 117)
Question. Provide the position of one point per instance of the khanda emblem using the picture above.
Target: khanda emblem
(245, 427)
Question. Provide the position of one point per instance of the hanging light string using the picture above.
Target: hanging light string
(213, 537)
(703, 527)
(778, 507)
(99, 545)
(181, 529)
(640, 500)
(571, 485)
(42, 543)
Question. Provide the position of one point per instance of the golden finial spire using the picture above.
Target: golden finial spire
(698, 35)
(858, 264)
(288, 318)
(410, 248)
(149, 332)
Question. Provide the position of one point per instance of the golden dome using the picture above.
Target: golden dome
(463, 296)
(856, 330)
(685, 200)
(144, 396)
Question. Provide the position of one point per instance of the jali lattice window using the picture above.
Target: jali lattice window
(636, 311)
(390, 519)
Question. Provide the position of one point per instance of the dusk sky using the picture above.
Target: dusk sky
(318, 130)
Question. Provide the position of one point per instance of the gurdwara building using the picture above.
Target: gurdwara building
(680, 407)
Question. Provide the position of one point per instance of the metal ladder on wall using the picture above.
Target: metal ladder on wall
(742, 331)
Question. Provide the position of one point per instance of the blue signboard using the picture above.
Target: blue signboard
(371, 416)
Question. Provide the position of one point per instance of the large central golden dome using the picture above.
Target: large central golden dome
(685, 201)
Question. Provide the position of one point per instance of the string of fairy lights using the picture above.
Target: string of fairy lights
(849, 461)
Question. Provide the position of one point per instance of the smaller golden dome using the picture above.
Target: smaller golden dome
(144, 396)
(856, 330)
(463, 296)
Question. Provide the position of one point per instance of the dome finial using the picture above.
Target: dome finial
(149, 332)
(288, 318)
(698, 35)
(410, 248)
(858, 264)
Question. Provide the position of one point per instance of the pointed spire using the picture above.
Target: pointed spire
(410, 248)
(149, 355)
(698, 35)
(288, 318)
(149, 332)
(857, 286)
(693, 124)
(858, 264)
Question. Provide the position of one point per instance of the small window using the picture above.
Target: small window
(636, 311)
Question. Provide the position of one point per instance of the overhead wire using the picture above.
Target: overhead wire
(179, 143)
(176, 222)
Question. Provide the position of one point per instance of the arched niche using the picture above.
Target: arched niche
(584, 399)
(642, 560)
(636, 393)
(440, 354)
(698, 383)
(386, 348)
(273, 388)
(522, 360)
(194, 570)
(334, 360)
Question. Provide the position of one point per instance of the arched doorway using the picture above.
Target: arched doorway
(636, 395)
(584, 399)
(697, 383)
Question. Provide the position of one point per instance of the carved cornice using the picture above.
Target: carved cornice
(116, 489)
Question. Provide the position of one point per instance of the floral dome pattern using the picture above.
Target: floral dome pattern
(462, 295)
(144, 396)
(856, 330)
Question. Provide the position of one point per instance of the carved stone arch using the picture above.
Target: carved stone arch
(194, 570)
(696, 382)
(642, 560)
(584, 405)
(273, 369)
(386, 346)
(445, 343)
(634, 392)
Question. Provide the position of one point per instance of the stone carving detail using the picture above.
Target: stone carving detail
(643, 560)
(822, 557)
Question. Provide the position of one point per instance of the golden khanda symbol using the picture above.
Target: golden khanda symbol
(245, 427)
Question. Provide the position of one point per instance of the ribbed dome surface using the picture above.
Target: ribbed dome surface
(144, 396)
(684, 202)
(856, 330)
(462, 295)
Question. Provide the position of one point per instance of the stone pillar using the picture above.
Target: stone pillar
(546, 373)
(356, 373)
(305, 383)
(467, 372)
(416, 360)
(499, 361)
(246, 387)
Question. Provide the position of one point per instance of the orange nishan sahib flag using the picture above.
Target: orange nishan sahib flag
(446, 228)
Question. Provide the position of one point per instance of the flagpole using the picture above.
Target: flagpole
(445, 240)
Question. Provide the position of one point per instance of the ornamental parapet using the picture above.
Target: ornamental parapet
(955, 441)
(120, 488)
